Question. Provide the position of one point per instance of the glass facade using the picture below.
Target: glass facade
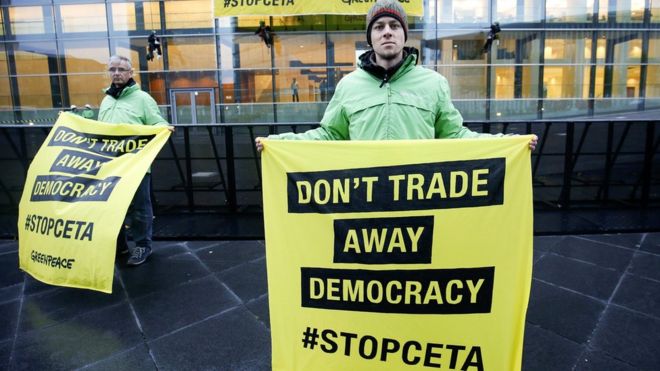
(553, 58)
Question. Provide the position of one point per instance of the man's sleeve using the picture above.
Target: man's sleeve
(152, 114)
(448, 121)
(334, 125)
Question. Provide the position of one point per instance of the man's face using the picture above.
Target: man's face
(387, 38)
(119, 72)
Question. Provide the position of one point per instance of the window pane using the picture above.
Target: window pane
(32, 60)
(347, 47)
(251, 51)
(567, 47)
(86, 62)
(5, 91)
(185, 53)
(5, 94)
(300, 57)
(653, 73)
(466, 82)
(515, 11)
(83, 18)
(460, 11)
(188, 14)
(630, 11)
(625, 81)
(151, 15)
(514, 42)
(563, 81)
(600, 49)
(568, 10)
(530, 86)
(28, 20)
(123, 17)
(504, 82)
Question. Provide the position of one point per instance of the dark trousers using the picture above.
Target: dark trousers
(140, 216)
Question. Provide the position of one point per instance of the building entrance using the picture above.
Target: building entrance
(193, 106)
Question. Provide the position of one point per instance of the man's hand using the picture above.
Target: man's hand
(259, 144)
(171, 128)
(533, 142)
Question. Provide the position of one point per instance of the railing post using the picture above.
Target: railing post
(188, 185)
(231, 169)
(565, 196)
(648, 163)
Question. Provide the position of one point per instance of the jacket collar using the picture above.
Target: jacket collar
(367, 62)
(116, 92)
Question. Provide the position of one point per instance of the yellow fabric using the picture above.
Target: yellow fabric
(76, 194)
(225, 8)
(401, 254)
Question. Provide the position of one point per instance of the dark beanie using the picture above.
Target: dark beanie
(387, 8)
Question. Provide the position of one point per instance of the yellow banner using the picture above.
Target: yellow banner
(76, 194)
(398, 255)
(225, 8)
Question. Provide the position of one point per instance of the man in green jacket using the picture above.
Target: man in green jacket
(126, 103)
(389, 96)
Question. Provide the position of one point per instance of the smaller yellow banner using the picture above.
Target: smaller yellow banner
(77, 191)
(226, 8)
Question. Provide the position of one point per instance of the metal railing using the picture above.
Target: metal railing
(577, 164)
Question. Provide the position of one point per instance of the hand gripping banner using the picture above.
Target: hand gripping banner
(225, 8)
(77, 191)
(398, 255)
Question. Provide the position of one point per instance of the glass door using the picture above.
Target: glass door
(193, 106)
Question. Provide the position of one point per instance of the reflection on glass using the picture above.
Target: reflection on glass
(188, 14)
(299, 23)
(625, 81)
(5, 94)
(81, 59)
(251, 52)
(568, 10)
(458, 11)
(346, 48)
(567, 48)
(83, 18)
(302, 64)
(530, 82)
(28, 20)
(630, 11)
(517, 11)
(123, 16)
(151, 15)
(35, 91)
(184, 53)
(504, 82)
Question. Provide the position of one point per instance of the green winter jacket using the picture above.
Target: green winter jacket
(130, 106)
(414, 103)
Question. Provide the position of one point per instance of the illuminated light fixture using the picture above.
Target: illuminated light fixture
(498, 114)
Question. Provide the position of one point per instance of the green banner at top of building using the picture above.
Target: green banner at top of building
(225, 8)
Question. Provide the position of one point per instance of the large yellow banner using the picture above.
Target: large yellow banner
(224, 8)
(77, 191)
(398, 255)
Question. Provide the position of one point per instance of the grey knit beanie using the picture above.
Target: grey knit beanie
(389, 8)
